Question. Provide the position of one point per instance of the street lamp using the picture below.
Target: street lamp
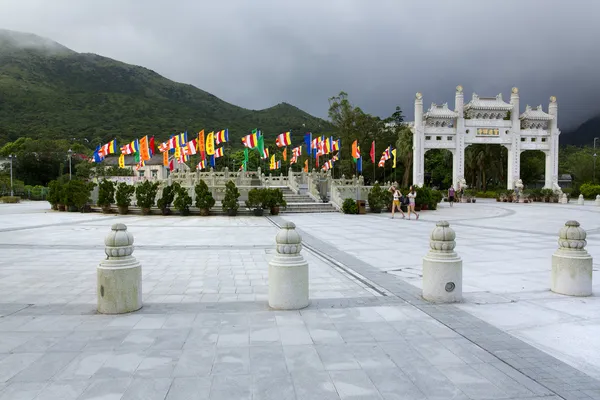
(11, 157)
(70, 152)
(594, 172)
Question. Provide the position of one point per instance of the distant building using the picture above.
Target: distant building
(153, 169)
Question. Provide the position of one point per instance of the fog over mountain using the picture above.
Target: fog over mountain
(259, 53)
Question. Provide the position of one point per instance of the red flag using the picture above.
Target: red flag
(151, 145)
(372, 153)
(171, 165)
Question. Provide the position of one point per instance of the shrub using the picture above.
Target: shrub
(124, 194)
(232, 194)
(76, 193)
(487, 195)
(167, 197)
(54, 193)
(273, 198)
(10, 199)
(145, 193)
(106, 193)
(377, 198)
(436, 198)
(546, 193)
(256, 198)
(589, 191)
(183, 201)
(349, 206)
(204, 198)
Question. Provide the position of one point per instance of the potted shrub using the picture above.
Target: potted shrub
(547, 194)
(349, 206)
(167, 197)
(145, 193)
(53, 196)
(183, 201)
(255, 201)
(123, 197)
(230, 200)
(204, 198)
(274, 200)
(376, 198)
(106, 195)
(76, 195)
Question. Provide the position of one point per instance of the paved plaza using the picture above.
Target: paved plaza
(206, 332)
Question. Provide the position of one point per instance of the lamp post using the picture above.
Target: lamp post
(594, 172)
(10, 157)
(70, 152)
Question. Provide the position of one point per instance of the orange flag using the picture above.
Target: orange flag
(306, 166)
(201, 146)
(285, 154)
(166, 158)
(144, 149)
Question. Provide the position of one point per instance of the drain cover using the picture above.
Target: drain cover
(450, 286)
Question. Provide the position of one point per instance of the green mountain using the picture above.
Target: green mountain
(50, 91)
(584, 134)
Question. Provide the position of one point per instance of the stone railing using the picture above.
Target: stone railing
(295, 179)
(341, 190)
(214, 178)
(277, 180)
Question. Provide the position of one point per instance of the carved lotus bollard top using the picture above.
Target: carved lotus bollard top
(288, 271)
(288, 240)
(571, 263)
(119, 242)
(442, 237)
(572, 236)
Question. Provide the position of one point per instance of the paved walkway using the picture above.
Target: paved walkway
(206, 332)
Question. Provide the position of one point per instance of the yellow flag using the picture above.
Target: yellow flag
(272, 161)
(394, 154)
(122, 161)
(210, 144)
(177, 153)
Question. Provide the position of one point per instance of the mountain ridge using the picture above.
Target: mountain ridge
(48, 90)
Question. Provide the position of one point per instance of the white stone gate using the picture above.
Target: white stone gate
(486, 120)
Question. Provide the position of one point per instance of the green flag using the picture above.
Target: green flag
(137, 156)
(261, 147)
(245, 159)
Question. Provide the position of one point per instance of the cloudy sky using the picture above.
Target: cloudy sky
(257, 53)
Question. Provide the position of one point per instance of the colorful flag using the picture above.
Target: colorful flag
(212, 160)
(144, 150)
(140, 165)
(201, 146)
(394, 155)
(381, 162)
(278, 165)
(122, 161)
(272, 163)
(136, 156)
(283, 139)
(260, 146)
(219, 152)
(315, 145)
(177, 153)
(355, 150)
(130, 148)
(181, 139)
(210, 144)
(285, 154)
(108, 148)
(306, 166)
(336, 145)
(241, 167)
(245, 159)
(151, 145)
(336, 156)
(222, 136)
(359, 164)
(171, 165)
(308, 142)
(297, 151)
(201, 165)
(163, 147)
(190, 148)
(251, 140)
(166, 158)
(372, 152)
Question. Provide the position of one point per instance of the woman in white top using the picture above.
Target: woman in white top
(411, 202)
(396, 201)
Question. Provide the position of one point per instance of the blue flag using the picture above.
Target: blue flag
(97, 157)
(359, 164)
(212, 161)
(308, 141)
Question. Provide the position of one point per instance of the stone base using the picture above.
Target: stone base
(119, 287)
(439, 274)
(288, 283)
(572, 275)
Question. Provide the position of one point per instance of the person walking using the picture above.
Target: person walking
(411, 202)
(451, 194)
(396, 202)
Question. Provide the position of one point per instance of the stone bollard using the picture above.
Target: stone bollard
(564, 199)
(580, 200)
(598, 200)
(442, 267)
(120, 275)
(288, 271)
(571, 263)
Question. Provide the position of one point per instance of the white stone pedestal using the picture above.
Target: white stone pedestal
(119, 277)
(564, 199)
(442, 267)
(571, 263)
(597, 200)
(580, 200)
(288, 272)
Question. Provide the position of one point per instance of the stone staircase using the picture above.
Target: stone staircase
(303, 203)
